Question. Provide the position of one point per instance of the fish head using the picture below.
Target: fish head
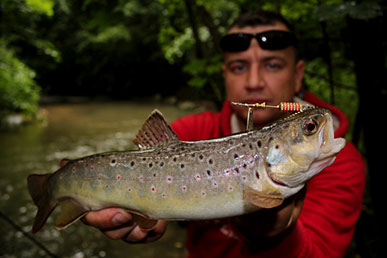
(303, 145)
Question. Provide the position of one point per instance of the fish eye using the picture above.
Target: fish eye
(310, 127)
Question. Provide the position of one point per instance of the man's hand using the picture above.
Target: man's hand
(271, 225)
(119, 224)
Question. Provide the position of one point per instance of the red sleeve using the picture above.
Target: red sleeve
(331, 208)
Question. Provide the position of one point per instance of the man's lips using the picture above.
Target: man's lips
(255, 100)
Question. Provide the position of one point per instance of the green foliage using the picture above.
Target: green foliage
(18, 91)
(42, 6)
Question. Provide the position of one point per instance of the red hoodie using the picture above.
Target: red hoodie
(331, 208)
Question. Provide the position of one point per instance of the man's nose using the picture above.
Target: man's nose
(254, 79)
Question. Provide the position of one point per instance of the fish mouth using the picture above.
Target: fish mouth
(275, 180)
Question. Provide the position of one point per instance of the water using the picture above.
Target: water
(72, 131)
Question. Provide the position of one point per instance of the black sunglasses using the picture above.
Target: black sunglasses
(268, 40)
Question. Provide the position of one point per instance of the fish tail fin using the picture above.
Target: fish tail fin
(37, 186)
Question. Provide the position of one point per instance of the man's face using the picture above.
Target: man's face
(256, 75)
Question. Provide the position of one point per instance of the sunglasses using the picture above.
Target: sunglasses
(268, 40)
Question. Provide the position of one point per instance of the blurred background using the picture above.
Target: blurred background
(79, 77)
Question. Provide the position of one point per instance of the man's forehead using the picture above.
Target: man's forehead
(257, 29)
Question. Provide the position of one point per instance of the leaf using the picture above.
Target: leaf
(361, 11)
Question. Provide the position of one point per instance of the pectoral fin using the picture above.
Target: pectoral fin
(145, 223)
(70, 212)
(263, 200)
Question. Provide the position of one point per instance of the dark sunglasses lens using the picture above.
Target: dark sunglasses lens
(275, 40)
(235, 42)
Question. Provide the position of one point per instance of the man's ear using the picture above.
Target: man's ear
(300, 66)
(223, 69)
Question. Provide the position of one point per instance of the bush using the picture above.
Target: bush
(19, 93)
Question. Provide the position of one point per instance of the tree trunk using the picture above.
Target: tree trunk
(190, 4)
(369, 59)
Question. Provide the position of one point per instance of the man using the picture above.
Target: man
(261, 65)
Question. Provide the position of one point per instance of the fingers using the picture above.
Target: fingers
(108, 218)
(117, 224)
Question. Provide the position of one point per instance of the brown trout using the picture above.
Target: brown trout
(171, 179)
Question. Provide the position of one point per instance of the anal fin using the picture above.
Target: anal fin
(145, 224)
(70, 212)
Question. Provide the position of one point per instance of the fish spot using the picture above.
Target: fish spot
(250, 146)
(154, 174)
(129, 189)
(244, 178)
(215, 184)
(277, 146)
(236, 170)
(141, 178)
(201, 157)
(244, 166)
(257, 174)
(153, 189)
(74, 170)
(164, 195)
(169, 179)
(184, 188)
(236, 156)
(118, 177)
(209, 172)
(161, 164)
(270, 139)
(197, 177)
(174, 159)
(132, 163)
(259, 143)
(210, 161)
(143, 159)
(230, 188)
(150, 165)
(203, 194)
(182, 166)
(268, 164)
(113, 162)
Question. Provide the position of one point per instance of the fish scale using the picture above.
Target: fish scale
(181, 180)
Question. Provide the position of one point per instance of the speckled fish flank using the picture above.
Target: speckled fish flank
(179, 180)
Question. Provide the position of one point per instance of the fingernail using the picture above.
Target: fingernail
(119, 219)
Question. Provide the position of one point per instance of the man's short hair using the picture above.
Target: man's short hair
(260, 17)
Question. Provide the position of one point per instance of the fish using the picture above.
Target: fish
(170, 179)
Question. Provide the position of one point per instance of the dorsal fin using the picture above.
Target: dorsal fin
(155, 132)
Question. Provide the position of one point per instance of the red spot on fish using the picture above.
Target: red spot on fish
(107, 186)
(73, 169)
(198, 176)
(169, 179)
(163, 195)
(203, 193)
(227, 171)
(244, 178)
(154, 174)
(153, 189)
(129, 189)
(99, 178)
(92, 168)
(230, 188)
(215, 184)
(118, 177)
